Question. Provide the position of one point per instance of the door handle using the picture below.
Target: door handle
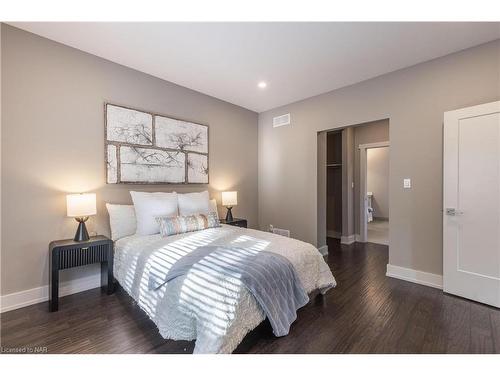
(453, 212)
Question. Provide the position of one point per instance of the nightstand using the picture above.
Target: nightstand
(69, 253)
(235, 222)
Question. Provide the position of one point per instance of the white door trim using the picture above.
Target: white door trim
(363, 228)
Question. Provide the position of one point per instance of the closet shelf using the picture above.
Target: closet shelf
(334, 165)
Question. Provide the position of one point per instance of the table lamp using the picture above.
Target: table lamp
(229, 199)
(81, 206)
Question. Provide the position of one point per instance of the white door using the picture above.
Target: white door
(471, 212)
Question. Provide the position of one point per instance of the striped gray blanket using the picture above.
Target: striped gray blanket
(270, 278)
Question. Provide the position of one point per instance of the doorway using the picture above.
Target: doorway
(341, 212)
(374, 192)
(334, 185)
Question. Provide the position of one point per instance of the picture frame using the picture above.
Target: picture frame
(144, 147)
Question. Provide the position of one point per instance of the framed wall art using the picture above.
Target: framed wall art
(148, 148)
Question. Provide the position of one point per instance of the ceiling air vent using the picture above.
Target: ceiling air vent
(281, 120)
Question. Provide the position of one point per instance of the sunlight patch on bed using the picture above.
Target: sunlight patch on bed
(212, 288)
(160, 262)
(210, 291)
(250, 243)
(129, 277)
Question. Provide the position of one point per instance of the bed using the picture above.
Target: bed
(216, 315)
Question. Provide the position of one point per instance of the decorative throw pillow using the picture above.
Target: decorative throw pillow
(121, 220)
(182, 224)
(193, 203)
(150, 205)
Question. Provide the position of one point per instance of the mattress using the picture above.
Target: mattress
(216, 313)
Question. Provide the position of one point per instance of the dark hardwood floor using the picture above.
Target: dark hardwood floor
(367, 313)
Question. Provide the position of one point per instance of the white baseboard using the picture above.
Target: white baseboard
(28, 297)
(414, 276)
(358, 238)
(347, 240)
(323, 250)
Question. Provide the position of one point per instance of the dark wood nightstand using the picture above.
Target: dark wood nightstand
(69, 253)
(235, 222)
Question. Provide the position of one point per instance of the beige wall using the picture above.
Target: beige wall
(414, 100)
(377, 180)
(52, 143)
(1, 132)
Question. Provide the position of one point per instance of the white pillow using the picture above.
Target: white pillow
(121, 220)
(194, 203)
(213, 207)
(150, 205)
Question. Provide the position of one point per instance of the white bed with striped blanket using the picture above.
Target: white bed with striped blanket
(215, 312)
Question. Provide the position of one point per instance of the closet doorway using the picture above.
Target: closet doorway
(334, 184)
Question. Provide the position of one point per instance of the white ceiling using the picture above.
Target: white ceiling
(297, 60)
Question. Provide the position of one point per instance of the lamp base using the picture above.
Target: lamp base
(229, 215)
(81, 232)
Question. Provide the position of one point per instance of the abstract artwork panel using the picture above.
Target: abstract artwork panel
(138, 164)
(181, 135)
(112, 165)
(129, 126)
(197, 168)
(147, 148)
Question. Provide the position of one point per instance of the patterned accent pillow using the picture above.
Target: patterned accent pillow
(170, 225)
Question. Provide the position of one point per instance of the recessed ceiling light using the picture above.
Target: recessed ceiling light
(262, 85)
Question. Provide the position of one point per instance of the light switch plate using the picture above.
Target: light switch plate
(407, 183)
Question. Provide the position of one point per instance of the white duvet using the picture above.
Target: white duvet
(214, 311)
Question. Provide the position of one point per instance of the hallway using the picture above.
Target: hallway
(378, 231)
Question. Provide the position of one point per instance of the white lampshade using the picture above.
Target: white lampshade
(81, 205)
(229, 198)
